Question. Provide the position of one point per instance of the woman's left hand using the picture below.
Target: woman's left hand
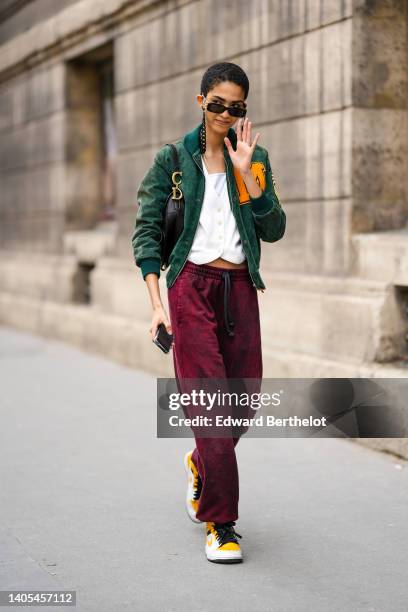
(241, 158)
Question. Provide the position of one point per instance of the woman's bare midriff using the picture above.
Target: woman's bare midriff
(223, 263)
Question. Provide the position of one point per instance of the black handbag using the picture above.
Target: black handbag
(173, 216)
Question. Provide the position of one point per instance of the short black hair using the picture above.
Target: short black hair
(224, 71)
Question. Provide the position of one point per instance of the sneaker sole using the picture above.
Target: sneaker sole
(227, 561)
(187, 505)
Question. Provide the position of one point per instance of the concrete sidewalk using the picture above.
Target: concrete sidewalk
(91, 500)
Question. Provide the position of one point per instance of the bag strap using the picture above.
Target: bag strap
(175, 157)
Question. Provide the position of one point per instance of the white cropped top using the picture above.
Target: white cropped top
(217, 233)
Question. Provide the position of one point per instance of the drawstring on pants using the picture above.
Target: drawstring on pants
(227, 315)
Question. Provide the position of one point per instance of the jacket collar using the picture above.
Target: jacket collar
(191, 140)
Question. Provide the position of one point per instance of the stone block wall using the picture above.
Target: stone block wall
(380, 117)
(32, 159)
(309, 63)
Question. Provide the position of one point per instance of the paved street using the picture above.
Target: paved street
(91, 500)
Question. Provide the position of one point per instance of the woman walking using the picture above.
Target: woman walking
(230, 206)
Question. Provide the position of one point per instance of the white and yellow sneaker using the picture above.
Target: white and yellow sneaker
(221, 545)
(194, 487)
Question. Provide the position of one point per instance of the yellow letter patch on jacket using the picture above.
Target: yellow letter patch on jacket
(258, 171)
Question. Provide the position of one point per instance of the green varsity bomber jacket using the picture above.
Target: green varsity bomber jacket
(257, 219)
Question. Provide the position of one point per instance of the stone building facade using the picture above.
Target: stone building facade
(90, 89)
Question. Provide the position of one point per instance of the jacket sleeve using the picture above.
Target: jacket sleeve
(269, 216)
(152, 195)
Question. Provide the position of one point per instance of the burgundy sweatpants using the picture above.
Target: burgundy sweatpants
(206, 304)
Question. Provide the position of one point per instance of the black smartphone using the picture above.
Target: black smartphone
(163, 339)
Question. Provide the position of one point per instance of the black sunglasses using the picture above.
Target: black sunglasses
(234, 111)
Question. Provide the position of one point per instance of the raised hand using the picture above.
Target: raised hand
(241, 158)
